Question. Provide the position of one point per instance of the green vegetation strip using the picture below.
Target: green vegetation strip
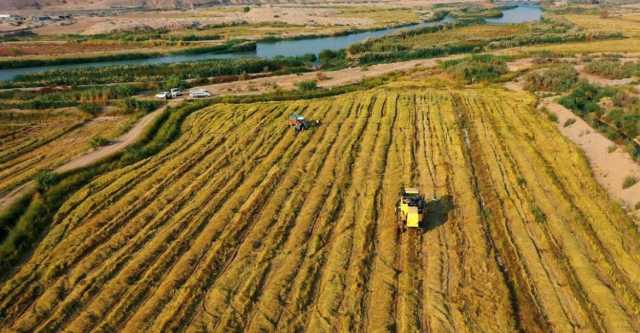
(160, 73)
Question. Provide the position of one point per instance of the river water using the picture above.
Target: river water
(268, 50)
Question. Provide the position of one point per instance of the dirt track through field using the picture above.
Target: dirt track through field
(243, 225)
(77, 162)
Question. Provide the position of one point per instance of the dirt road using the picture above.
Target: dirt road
(123, 142)
(85, 160)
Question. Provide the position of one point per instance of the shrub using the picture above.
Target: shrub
(90, 108)
(629, 181)
(327, 55)
(476, 68)
(45, 179)
(307, 85)
(159, 72)
(98, 141)
(174, 81)
(613, 68)
(557, 79)
(131, 105)
(569, 122)
(585, 97)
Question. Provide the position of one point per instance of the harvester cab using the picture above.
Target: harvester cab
(410, 208)
(299, 123)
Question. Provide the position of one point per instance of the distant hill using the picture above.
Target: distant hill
(150, 4)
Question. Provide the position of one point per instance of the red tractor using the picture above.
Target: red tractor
(300, 124)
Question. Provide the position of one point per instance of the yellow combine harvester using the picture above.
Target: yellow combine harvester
(410, 208)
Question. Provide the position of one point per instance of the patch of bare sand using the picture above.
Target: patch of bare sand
(520, 64)
(610, 168)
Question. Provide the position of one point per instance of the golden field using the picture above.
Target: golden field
(242, 225)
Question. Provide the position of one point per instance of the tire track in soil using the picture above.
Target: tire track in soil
(311, 277)
(372, 318)
(525, 306)
(349, 302)
(308, 278)
(314, 295)
(406, 302)
(553, 304)
(452, 280)
(524, 195)
(435, 260)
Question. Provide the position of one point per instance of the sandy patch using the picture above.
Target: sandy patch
(610, 169)
(520, 64)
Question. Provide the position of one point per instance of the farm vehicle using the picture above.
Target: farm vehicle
(299, 123)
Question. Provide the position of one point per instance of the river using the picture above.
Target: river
(268, 50)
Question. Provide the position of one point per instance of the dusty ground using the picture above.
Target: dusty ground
(610, 169)
(520, 64)
(318, 14)
(181, 19)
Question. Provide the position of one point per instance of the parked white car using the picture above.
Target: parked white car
(199, 93)
(164, 95)
(175, 92)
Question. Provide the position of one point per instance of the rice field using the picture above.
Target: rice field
(32, 141)
(627, 23)
(242, 225)
(466, 34)
(630, 45)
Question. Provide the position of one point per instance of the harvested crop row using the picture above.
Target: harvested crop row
(244, 225)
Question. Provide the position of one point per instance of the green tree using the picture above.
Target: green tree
(173, 81)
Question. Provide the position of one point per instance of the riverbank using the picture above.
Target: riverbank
(273, 47)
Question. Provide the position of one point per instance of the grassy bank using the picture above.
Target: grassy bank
(161, 72)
